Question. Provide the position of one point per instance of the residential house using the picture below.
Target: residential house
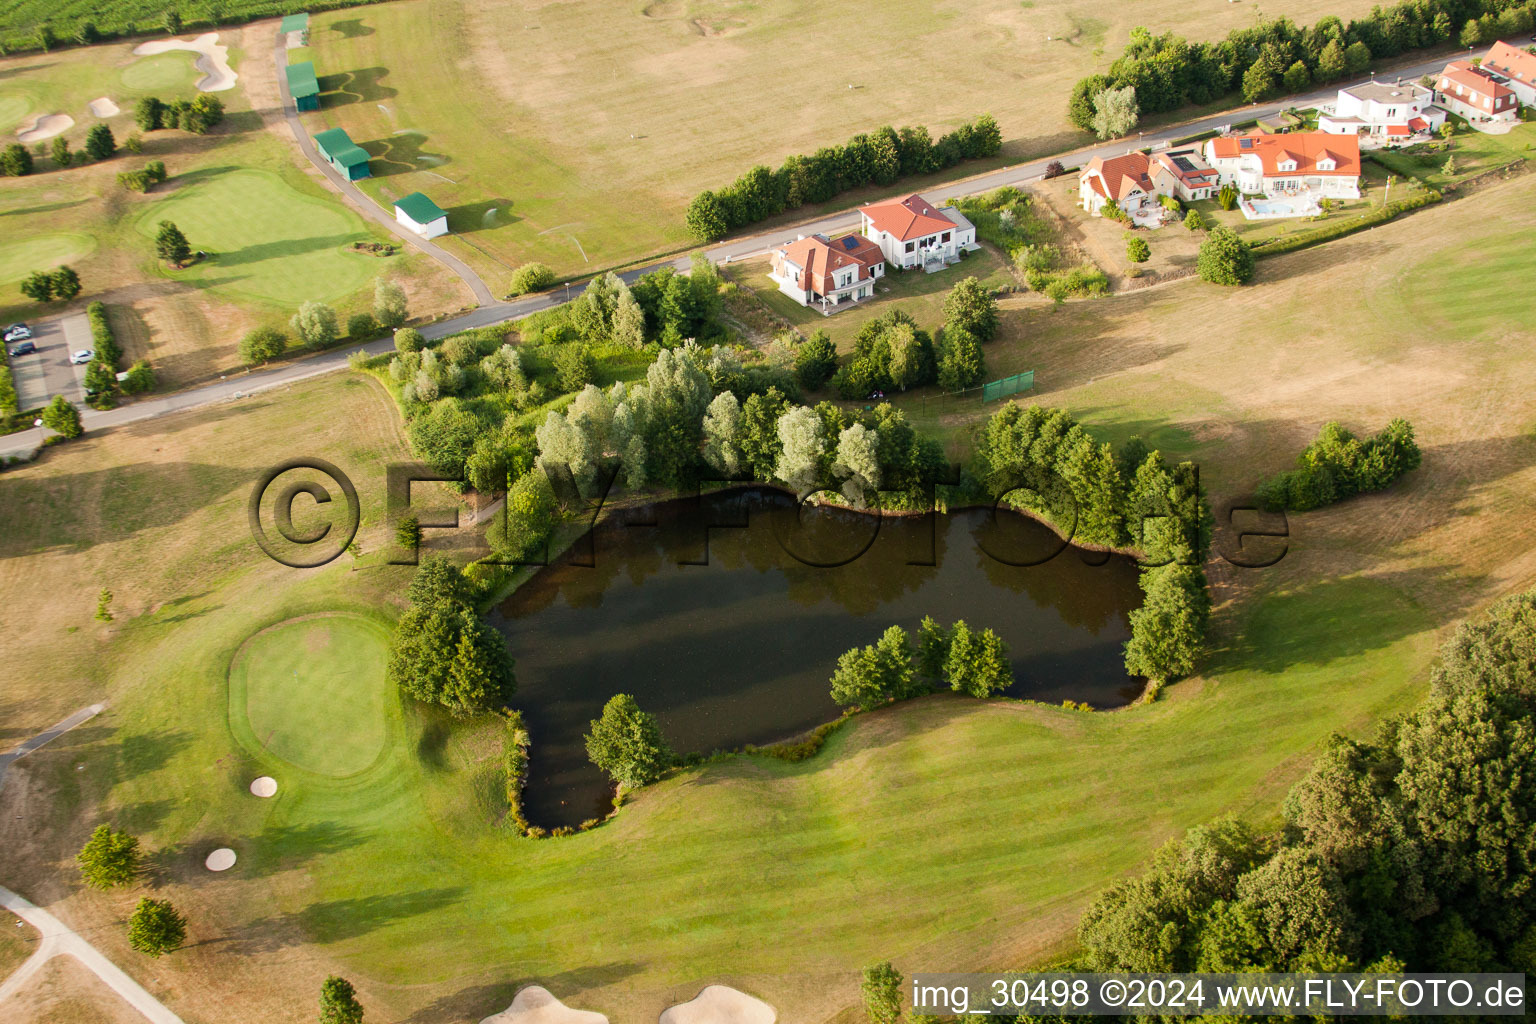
(911, 233)
(1382, 113)
(1183, 173)
(1126, 180)
(1516, 67)
(417, 213)
(1326, 166)
(818, 270)
(1475, 94)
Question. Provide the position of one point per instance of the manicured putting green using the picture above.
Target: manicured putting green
(162, 72)
(13, 108)
(312, 691)
(19, 257)
(270, 242)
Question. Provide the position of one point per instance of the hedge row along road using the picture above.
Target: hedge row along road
(24, 443)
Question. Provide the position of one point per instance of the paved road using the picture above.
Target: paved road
(57, 940)
(47, 736)
(366, 206)
(48, 372)
(492, 312)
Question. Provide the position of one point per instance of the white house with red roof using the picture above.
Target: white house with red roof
(1475, 93)
(1317, 164)
(1125, 179)
(912, 233)
(1516, 67)
(1382, 113)
(827, 272)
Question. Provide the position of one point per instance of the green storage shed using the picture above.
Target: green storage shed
(303, 86)
(343, 154)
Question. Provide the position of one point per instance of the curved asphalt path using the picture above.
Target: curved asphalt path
(492, 311)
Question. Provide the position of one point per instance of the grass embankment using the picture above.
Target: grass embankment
(576, 135)
(942, 832)
(276, 235)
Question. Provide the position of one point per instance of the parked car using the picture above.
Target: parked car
(26, 348)
(83, 356)
(18, 332)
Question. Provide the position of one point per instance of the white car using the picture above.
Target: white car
(18, 332)
(82, 357)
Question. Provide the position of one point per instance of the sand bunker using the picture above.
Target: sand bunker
(104, 107)
(46, 126)
(535, 1005)
(265, 786)
(213, 62)
(221, 859)
(720, 1004)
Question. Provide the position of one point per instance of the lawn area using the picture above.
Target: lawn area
(576, 133)
(18, 940)
(278, 234)
(400, 877)
(1475, 152)
(307, 693)
(269, 243)
(913, 291)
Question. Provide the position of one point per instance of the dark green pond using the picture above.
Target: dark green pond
(733, 642)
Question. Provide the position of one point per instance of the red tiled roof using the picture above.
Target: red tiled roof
(1306, 148)
(1513, 62)
(1400, 129)
(1473, 80)
(819, 258)
(1120, 175)
(1418, 124)
(906, 219)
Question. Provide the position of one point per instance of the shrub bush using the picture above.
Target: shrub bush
(531, 277)
(1338, 465)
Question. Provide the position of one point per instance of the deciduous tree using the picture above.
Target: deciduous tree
(155, 928)
(110, 858)
(627, 745)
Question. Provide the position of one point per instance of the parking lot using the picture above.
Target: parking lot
(47, 372)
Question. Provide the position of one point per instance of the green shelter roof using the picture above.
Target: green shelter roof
(294, 23)
(302, 80)
(419, 208)
(339, 147)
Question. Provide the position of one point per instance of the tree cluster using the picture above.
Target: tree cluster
(197, 116)
(973, 662)
(1167, 72)
(142, 181)
(1042, 461)
(880, 158)
(1415, 851)
(890, 353)
(46, 285)
(1339, 465)
(442, 652)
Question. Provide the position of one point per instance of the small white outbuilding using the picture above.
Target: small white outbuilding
(421, 215)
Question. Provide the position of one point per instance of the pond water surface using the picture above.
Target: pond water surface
(733, 640)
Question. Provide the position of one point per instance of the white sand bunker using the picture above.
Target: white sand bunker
(221, 859)
(720, 1004)
(46, 126)
(213, 62)
(536, 1005)
(104, 107)
(265, 786)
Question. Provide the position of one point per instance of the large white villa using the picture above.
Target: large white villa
(1315, 164)
(911, 233)
(1382, 114)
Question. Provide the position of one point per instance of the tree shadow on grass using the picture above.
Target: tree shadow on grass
(237, 122)
(275, 849)
(476, 1002)
(1332, 620)
(468, 218)
(352, 28)
(44, 208)
(402, 153)
(362, 86)
(284, 249)
(337, 920)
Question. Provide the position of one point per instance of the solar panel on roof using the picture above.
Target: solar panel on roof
(850, 243)
(1245, 143)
